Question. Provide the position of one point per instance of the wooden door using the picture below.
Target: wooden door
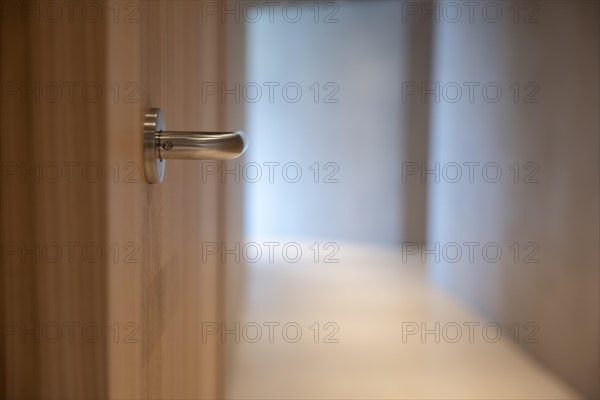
(103, 287)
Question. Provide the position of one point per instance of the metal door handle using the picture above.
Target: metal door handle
(160, 145)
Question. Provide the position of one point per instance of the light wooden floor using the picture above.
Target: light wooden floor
(369, 294)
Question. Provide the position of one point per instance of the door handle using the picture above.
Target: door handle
(161, 145)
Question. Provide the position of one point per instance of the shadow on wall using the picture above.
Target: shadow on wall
(531, 211)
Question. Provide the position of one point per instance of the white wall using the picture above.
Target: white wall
(364, 55)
